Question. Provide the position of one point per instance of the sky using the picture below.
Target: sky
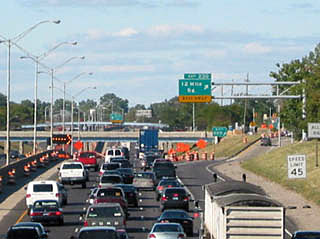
(139, 49)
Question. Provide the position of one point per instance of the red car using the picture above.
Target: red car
(89, 159)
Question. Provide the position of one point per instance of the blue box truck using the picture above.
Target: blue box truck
(148, 140)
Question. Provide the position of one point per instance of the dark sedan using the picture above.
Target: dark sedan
(175, 198)
(178, 216)
(131, 193)
(46, 211)
(127, 175)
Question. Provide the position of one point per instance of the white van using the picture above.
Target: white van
(45, 190)
(111, 153)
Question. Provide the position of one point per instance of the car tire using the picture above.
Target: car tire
(84, 185)
(135, 204)
(65, 201)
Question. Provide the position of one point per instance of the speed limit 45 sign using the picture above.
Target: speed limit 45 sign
(297, 166)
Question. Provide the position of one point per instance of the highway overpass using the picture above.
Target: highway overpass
(110, 136)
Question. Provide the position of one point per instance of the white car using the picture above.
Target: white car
(73, 173)
(110, 153)
(45, 190)
(167, 231)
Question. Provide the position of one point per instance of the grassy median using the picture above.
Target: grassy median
(228, 146)
(273, 165)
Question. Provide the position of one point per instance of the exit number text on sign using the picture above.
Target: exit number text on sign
(297, 166)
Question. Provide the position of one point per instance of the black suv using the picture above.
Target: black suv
(163, 168)
(176, 198)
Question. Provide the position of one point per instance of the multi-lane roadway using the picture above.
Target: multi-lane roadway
(193, 175)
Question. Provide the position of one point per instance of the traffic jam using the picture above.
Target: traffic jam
(122, 198)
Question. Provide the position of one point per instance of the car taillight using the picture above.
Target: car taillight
(160, 188)
(152, 236)
(100, 173)
(186, 198)
(36, 214)
(176, 195)
(124, 222)
(164, 221)
(99, 186)
(181, 235)
(169, 186)
(28, 195)
(164, 198)
(58, 213)
(85, 224)
(58, 195)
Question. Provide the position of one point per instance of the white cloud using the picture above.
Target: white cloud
(215, 53)
(165, 30)
(127, 32)
(256, 48)
(127, 68)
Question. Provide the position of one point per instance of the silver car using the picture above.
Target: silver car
(97, 232)
(105, 214)
(167, 231)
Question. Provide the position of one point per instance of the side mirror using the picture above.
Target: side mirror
(25, 188)
(58, 169)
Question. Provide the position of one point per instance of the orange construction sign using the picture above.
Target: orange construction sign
(201, 143)
(78, 145)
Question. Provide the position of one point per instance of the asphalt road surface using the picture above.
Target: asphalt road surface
(193, 175)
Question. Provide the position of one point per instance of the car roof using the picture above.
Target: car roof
(44, 182)
(108, 204)
(166, 223)
(94, 228)
(28, 224)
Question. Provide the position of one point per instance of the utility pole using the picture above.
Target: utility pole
(231, 93)
(245, 106)
(193, 118)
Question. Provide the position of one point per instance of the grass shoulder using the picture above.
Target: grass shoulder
(273, 166)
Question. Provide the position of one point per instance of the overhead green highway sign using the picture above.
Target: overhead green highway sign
(194, 90)
(116, 118)
(198, 76)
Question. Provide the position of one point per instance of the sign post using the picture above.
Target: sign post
(314, 133)
(297, 166)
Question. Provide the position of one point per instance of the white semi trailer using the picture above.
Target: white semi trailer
(240, 210)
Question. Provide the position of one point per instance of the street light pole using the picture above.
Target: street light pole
(51, 111)
(8, 104)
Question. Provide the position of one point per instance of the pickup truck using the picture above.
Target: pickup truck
(89, 159)
(73, 173)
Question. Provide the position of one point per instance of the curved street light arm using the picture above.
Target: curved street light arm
(42, 56)
(23, 34)
(70, 59)
(78, 76)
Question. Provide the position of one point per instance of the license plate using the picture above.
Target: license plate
(175, 198)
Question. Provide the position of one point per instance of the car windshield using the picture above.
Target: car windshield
(126, 188)
(42, 188)
(95, 212)
(87, 155)
(20, 233)
(307, 235)
(72, 166)
(125, 170)
(172, 183)
(143, 175)
(97, 234)
(110, 179)
(166, 228)
(110, 192)
(163, 166)
(110, 166)
(174, 214)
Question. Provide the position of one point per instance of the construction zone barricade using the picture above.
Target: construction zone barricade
(33, 167)
(11, 176)
(212, 156)
(195, 156)
(204, 156)
(42, 163)
(26, 170)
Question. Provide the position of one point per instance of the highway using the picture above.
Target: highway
(193, 175)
